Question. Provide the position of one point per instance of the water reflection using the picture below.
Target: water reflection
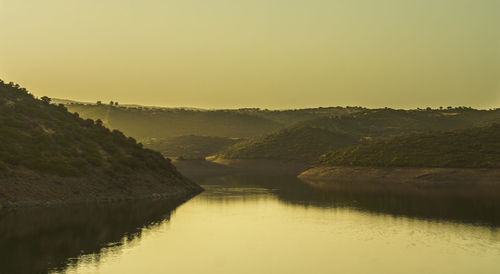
(41, 240)
(287, 225)
(437, 204)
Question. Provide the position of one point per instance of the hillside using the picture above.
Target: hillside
(191, 146)
(295, 143)
(41, 143)
(310, 139)
(468, 148)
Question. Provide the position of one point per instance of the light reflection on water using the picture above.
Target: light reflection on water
(281, 225)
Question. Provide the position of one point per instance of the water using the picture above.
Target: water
(259, 225)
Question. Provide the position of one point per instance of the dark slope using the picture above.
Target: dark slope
(296, 143)
(50, 154)
(469, 148)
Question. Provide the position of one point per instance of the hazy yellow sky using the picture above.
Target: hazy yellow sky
(256, 53)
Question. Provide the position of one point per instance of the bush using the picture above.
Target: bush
(3, 166)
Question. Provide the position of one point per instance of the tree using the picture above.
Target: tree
(111, 103)
(116, 103)
(46, 99)
(99, 103)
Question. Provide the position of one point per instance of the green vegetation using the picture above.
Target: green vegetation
(191, 146)
(37, 137)
(309, 139)
(296, 143)
(468, 148)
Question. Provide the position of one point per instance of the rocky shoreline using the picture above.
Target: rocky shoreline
(35, 191)
(394, 176)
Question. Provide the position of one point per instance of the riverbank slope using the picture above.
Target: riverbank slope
(51, 156)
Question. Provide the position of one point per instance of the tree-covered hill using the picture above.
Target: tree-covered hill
(295, 143)
(191, 146)
(39, 139)
(375, 123)
(466, 148)
(290, 117)
(310, 139)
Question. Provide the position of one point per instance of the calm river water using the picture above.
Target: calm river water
(258, 225)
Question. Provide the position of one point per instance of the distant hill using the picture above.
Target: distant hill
(310, 139)
(466, 148)
(41, 143)
(290, 117)
(153, 122)
(389, 122)
(191, 146)
(143, 123)
(295, 143)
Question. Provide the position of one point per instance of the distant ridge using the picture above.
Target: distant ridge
(58, 101)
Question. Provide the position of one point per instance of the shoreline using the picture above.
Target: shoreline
(18, 192)
(403, 176)
(167, 196)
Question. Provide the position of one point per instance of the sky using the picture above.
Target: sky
(256, 53)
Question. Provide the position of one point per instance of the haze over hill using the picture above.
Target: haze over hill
(300, 135)
(144, 122)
